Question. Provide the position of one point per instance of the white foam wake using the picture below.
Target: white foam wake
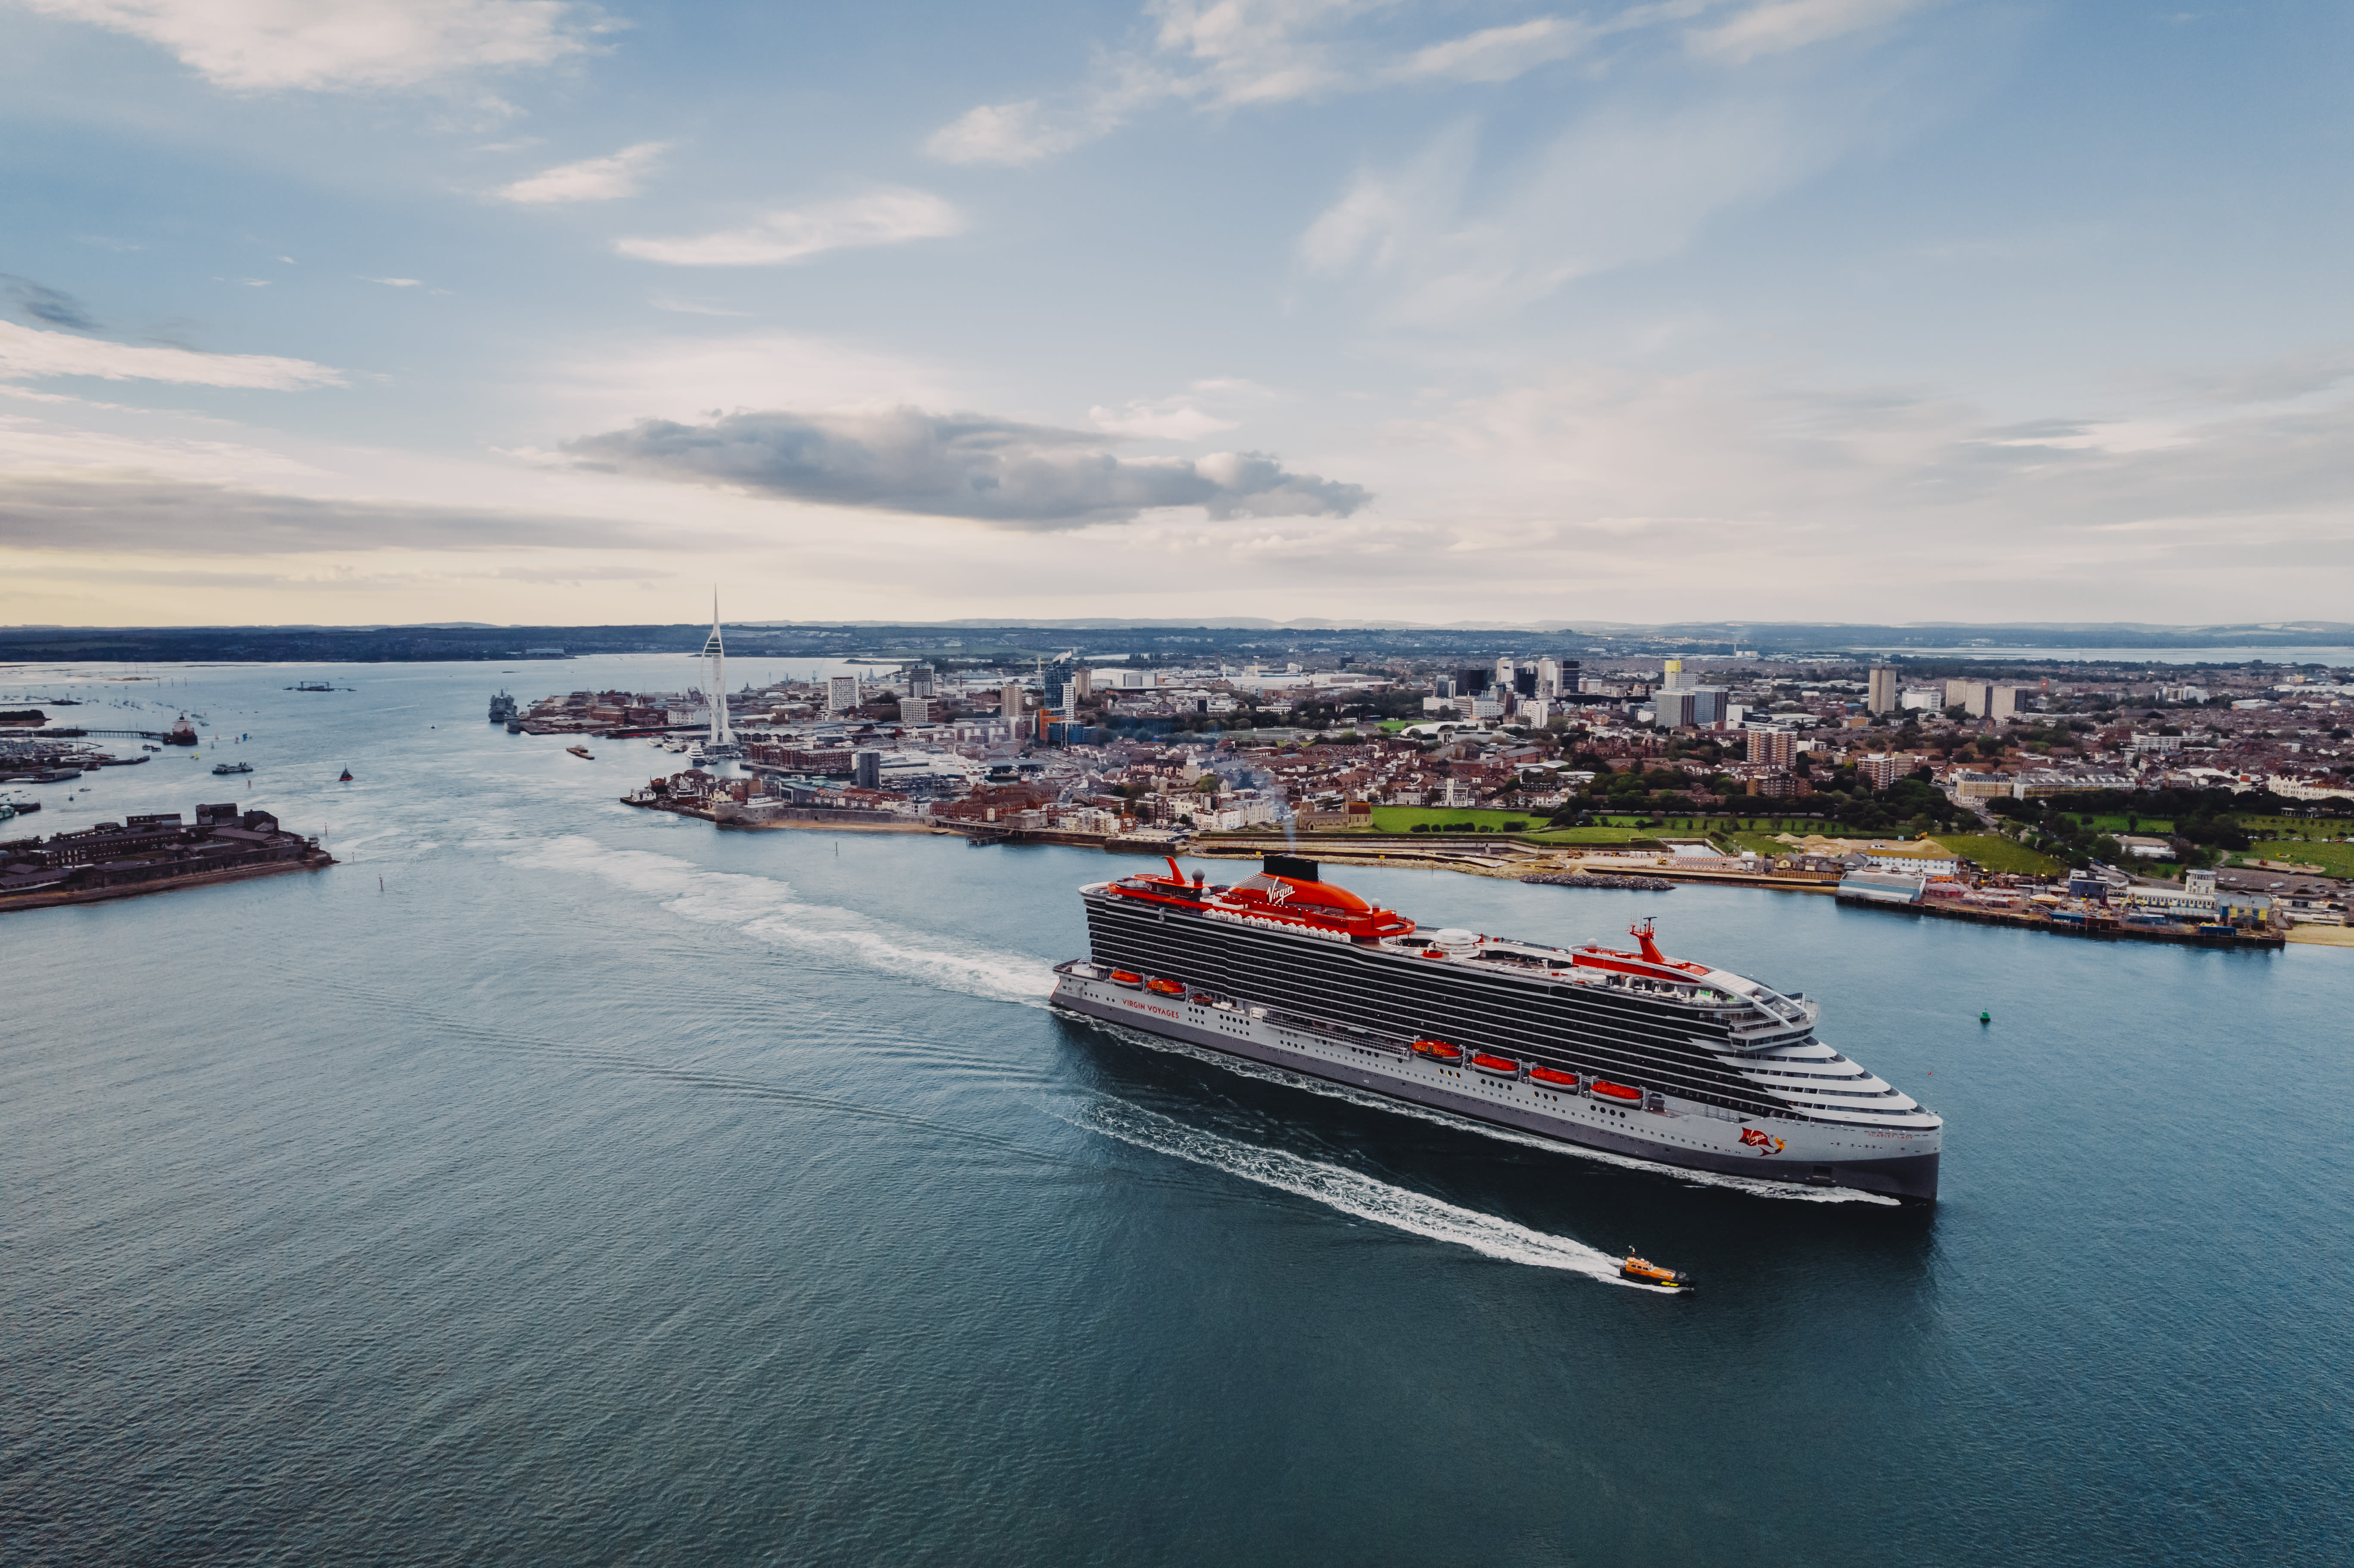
(1790, 1191)
(765, 909)
(1352, 1193)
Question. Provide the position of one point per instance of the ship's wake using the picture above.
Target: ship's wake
(765, 909)
(1352, 1193)
(1791, 1191)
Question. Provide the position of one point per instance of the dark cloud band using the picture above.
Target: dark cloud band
(971, 466)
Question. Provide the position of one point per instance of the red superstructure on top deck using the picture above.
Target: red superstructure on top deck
(1294, 902)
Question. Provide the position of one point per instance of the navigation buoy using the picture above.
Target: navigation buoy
(1986, 1018)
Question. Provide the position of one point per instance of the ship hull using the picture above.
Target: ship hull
(1897, 1164)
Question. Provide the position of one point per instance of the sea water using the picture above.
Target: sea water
(558, 1181)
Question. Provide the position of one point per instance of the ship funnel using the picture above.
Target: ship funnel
(1298, 867)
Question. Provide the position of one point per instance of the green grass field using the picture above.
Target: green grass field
(1404, 818)
(2114, 824)
(1996, 852)
(2337, 860)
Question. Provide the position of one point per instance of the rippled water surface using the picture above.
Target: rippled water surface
(555, 1182)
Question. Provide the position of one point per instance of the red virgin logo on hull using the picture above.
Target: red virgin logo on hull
(1764, 1142)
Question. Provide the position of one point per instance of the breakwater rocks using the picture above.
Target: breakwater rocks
(1598, 879)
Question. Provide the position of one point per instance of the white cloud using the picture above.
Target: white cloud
(592, 179)
(1221, 55)
(886, 216)
(1494, 54)
(26, 354)
(396, 282)
(1625, 183)
(256, 45)
(1778, 26)
(1175, 420)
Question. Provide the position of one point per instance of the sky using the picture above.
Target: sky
(538, 312)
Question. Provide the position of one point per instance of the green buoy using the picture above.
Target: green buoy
(1986, 1018)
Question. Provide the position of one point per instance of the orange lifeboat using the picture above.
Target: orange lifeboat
(1643, 1272)
(1552, 1078)
(1495, 1067)
(1619, 1092)
(1165, 987)
(1438, 1051)
(1128, 978)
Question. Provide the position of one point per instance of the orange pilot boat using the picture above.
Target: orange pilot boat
(1643, 1272)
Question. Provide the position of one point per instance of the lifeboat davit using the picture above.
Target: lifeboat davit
(1438, 1051)
(1495, 1067)
(1165, 987)
(1552, 1077)
(1128, 978)
(1646, 1273)
(1620, 1092)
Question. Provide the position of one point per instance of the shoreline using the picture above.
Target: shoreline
(161, 885)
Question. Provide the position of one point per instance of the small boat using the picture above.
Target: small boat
(1619, 1092)
(1646, 1273)
(1438, 1051)
(2215, 929)
(1128, 978)
(347, 777)
(581, 752)
(312, 687)
(514, 726)
(1165, 987)
(232, 768)
(1553, 1079)
(1495, 1067)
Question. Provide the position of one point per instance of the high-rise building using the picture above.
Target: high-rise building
(1009, 701)
(1673, 676)
(1055, 679)
(1549, 677)
(2003, 701)
(1972, 697)
(917, 710)
(1673, 709)
(1880, 697)
(1773, 747)
(1708, 704)
(841, 693)
(1504, 672)
(1524, 680)
(919, 681)
(1083, 682)
(1882, 769)
(1471, 683)
(866, 769)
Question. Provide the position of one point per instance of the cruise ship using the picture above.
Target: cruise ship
(1630, 1051)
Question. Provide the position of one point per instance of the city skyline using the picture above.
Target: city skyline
(1784, 310)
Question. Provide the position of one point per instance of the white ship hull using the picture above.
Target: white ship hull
(1899, 1162)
